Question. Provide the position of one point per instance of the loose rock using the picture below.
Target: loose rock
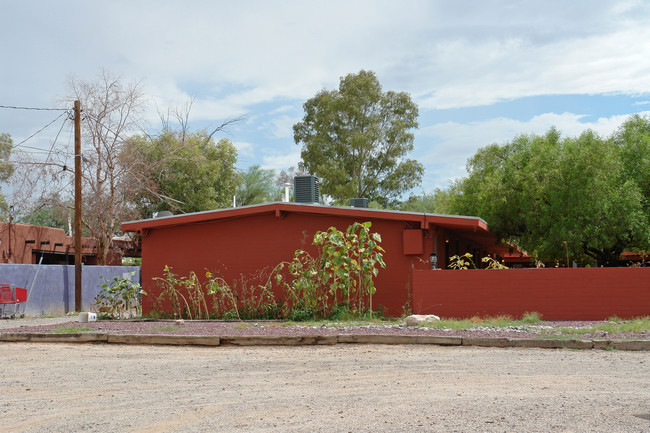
(418, 319)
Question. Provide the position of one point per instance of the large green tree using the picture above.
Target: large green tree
(181, 172)
(357, 138)
(552, 195)
(633, 141)
(256, 185)
(6, 167)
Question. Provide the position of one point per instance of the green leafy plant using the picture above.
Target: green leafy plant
(342, 272)
(466, 261)
(244, 298)
(531, 317)
(185, 293)
(119, 298)
(493, 263)
(461, 262)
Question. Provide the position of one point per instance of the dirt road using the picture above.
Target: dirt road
(357, 388)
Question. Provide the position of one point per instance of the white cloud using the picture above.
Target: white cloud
(231, 56)
(282, 126)
(282, 161)
(283, 109)
(263, 59)
(244, 148)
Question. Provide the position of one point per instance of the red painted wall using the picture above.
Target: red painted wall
(557, 294)
(247, 244)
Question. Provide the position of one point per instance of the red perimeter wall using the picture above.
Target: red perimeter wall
(557, 294)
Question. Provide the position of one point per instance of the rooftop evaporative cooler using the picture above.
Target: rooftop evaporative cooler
(306, 189)
(359, 202)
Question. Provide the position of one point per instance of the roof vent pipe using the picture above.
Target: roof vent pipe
(287, 185)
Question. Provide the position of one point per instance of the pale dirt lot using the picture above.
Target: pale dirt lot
(357, 388)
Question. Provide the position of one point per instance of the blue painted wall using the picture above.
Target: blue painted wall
(53, 291)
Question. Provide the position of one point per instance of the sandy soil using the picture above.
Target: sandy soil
(356, 388)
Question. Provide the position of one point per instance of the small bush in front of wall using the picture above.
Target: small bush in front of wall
(244, 298)
(119, 298)
(185, 293)
(466, 261)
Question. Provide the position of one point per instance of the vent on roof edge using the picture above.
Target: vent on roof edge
(163, 213)
(359, 202)
(306, 189)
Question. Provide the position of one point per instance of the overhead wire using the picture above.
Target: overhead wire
(55, 139)
(40, 130)
(14, 107)
(35, 150)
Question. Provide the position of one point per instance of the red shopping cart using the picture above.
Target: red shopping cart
(12, 301)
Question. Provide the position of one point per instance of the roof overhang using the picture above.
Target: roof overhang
(280, 209)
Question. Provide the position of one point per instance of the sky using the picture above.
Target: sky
(481, 72)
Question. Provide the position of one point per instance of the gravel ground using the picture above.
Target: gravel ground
(343, 388)
(36, 325)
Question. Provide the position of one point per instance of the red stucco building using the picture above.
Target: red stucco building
(243, 241)
(29, 244)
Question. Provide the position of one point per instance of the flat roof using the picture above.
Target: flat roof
(455, 222)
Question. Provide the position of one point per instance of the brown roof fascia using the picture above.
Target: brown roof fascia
(280, 209)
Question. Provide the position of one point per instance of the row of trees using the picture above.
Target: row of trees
(587, 197)
(355, 139)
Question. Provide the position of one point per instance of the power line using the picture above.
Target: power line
(13, 107)
(40, 130)
(54, 142)
(63, 166)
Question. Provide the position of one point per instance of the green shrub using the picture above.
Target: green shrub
(119, 298)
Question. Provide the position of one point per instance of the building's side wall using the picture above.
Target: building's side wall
(557, 294)
(53, 286)
(246, 245)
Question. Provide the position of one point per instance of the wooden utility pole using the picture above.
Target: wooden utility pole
(77, 206)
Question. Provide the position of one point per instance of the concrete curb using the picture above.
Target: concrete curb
(82, 337)
(308, 340)
(174, 340)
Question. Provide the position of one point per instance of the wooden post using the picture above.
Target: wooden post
(77, 206)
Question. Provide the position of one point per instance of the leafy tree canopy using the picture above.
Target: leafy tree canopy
(551, 194)
(357, 138)
(438, 202)
(182, 172)
(633, 142)
(52, 211)
(256, 185)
